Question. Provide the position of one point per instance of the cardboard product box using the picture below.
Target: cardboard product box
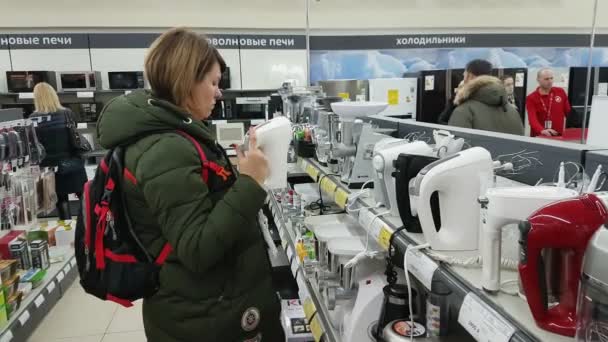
(35, 276)
(39, 250)
(20, 252)
(38, 235)
(13, 304)
(3, 316)
(5, 252)
(8, 268)
(11, 287)
(294, 321)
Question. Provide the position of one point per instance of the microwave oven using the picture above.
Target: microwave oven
(225, 80)
(79, 81)
(255, 108)
(125, 80)
(25, 81)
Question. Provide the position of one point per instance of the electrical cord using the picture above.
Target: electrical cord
(409, 285)
(473, 262)
(391, 274)
(365, 253)
(352, 200)
(321, 204)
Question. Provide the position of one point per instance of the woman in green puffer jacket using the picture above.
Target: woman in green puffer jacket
(216, 284)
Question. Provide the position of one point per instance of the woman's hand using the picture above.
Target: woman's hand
(254, 163)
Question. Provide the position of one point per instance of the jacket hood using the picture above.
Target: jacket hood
(139, 113)
(485, 89)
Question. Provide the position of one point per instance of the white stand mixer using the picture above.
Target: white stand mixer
(383, 163)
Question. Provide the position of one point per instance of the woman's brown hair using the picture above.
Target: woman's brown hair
(176, 61)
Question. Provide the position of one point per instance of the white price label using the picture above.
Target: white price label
(294, 266)
(25, 316)
(7, 337)
(73, 262)
(421, 266)
(482, 322)
(82, 125)
(39, 301)
(85, 94)
(26, 96)
(51, 287)
(429, 83)
(255, 122)
(289, 253)
(127, 92)
(220, 122)
(60, 276)
(67, 268)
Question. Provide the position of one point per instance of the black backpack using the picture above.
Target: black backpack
(112, 262)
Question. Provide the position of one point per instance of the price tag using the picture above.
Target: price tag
(73, 262)
(255, 122)
(39, 301)
(309, 308)
(289, 253)
(220, 122)
(421, 266)
(393, 97)
(384, 237)
(341, 197)
(429, 83)
(328, 186)
(51, 287)
(60, 276)
(7, 337)
(344, 96)
(25, 316)
(82, 125)
(26, 96)
(85, 94)
(482, 322)
(303, 163)
(67, 268)
(312, 172)
(316, 329)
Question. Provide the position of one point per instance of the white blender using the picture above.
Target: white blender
(459, 180)
(356, 140)
(503, 207)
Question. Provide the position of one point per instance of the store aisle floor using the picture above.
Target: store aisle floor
(79, 317)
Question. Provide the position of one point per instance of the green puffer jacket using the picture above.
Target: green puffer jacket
(216, 284)
(482, 104)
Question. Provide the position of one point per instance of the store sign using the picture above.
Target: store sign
(375, 42)
(283, 42)
(45, 41)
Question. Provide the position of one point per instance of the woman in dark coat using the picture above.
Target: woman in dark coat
(55, 135)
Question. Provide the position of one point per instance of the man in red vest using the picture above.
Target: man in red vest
(547, 106)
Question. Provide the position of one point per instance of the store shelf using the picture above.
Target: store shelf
(40, 301)
(320, 324)
(511, 313)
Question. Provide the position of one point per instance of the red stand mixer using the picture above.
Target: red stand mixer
(564, 227)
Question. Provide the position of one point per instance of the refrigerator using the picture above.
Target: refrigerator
(432, 94)
(400, 94)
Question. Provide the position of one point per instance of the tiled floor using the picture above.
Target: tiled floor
(79, 317)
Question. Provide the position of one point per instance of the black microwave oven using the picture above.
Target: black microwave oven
(79, 81)
(125, 80)
(25, 81)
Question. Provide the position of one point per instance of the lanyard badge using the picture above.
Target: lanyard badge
(548, 122)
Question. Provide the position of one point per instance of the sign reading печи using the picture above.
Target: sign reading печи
(45, 41)
(292, 42)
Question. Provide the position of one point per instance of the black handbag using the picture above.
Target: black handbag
(79, 143)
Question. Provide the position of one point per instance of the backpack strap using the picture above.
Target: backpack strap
(206, 166)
